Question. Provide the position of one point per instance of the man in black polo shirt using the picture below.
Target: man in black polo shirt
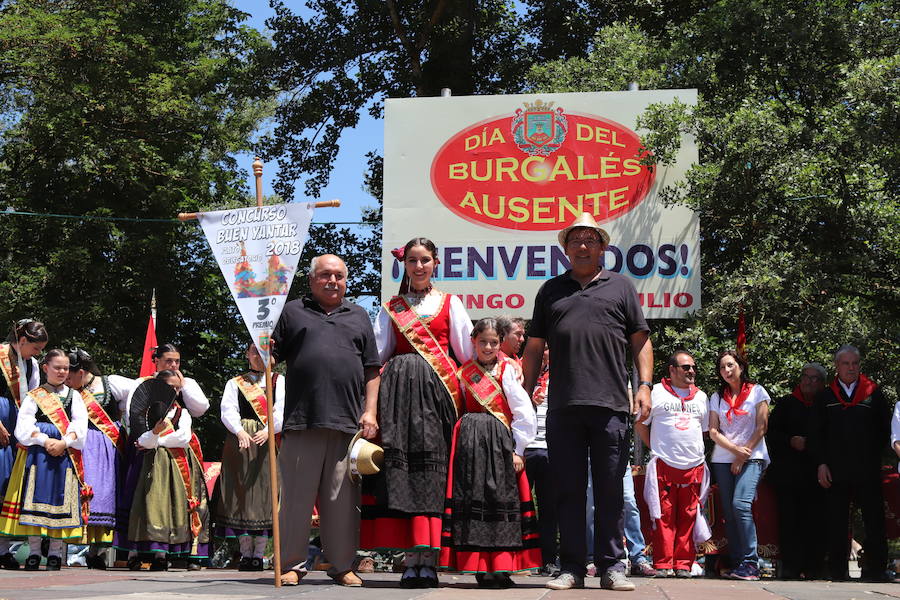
(590, 318)
(332, 392)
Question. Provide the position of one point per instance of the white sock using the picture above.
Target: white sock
(259, 546)
(132, 554)
(427, 558)
(245, 542)
(412, 559)
(4, 546)
(56, 548)
(34, 544)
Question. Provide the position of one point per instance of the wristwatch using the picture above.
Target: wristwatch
(649, 384)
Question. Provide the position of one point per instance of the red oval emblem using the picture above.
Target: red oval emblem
(540, 169)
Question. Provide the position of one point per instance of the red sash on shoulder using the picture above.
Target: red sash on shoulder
(102, 420)
(486, 390)
(692, 391)
(734, 404)
(51, 406)
(864, 388)
(180, 456)
(420, 337)
(255, 396)
(10, 373)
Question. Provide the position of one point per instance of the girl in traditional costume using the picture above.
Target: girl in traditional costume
(20, 374)
(166, 357)
(104, 398)
(169, 516)
(417, 408)
(46, 496)
(489, 521)
(242, 505)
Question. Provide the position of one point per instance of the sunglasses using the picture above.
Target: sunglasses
(688, 368)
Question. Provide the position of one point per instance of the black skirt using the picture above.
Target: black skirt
(416, 416)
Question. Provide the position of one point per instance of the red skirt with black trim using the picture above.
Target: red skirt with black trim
(489, 523)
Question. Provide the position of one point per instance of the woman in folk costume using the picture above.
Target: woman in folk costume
(169, 516)
(104, 399)
(20, 374)
(46, 495)
(166, 357)
(242, 507)
(489, 521)
(417, 408)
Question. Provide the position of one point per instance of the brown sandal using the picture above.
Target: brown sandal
(291, 578)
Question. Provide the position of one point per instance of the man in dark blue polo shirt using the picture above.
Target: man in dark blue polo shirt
(332, 392)
(590, 318)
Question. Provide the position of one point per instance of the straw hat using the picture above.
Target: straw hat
(365, 457)
(585, 220)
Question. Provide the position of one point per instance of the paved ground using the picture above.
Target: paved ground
(79, 583)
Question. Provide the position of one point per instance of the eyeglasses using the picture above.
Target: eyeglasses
(688, 368)
(588, 242)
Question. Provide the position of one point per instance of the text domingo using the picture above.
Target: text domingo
(467, 263)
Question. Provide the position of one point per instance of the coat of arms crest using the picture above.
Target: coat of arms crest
(539, 130)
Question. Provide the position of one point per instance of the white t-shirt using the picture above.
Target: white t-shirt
(676, 434)
(740, 429)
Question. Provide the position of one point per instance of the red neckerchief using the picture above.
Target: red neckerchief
(735, 403)
(864, 388)
(692, 391)
(799, 396)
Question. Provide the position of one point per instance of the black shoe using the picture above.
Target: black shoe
(96, 562)
(33, 563)
(193, 566)
(428, 580)
(256, 564)
(160, 563)
(410, 579)
(484, 580)
(8, 561)
(135, 563)
(244, 565)
(179, 563)
(54, 563)
(503, 581)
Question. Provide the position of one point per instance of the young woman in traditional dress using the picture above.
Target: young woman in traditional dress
(417, 408)
(20, 374)
(169, 516)
(242, 506)
(166, 357)
(104, 398)
(46, 496)
(489, 521)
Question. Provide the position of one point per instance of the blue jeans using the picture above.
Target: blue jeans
(736, 493)
(634, 538)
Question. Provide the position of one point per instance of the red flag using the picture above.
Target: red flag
(148, 367)
(742, 336)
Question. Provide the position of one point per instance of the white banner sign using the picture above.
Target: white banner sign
(258, 250)
(492, 179)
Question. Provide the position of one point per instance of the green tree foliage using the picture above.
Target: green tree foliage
(797, 184)
(124, 108)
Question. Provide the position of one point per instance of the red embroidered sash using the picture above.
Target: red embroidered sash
(51, 406)
(864, 388)
(799, 396)
(255, 396)
(102, 420)
(734, 404)
(10, 373)
(420, 337)
(692, 391)
(180, 456)
(486, 390)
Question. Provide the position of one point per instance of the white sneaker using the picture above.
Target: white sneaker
(566, 581)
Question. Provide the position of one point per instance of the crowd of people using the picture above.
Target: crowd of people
(484, 453)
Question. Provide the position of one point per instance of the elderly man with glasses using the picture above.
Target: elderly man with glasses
(801, 501)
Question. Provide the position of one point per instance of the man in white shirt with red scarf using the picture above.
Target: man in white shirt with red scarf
(677, 478)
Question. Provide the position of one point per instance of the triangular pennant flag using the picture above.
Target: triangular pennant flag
(258, 250)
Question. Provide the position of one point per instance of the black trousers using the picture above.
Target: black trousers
(802, 514)
(537, 469)
(865, 494)
(572, 433)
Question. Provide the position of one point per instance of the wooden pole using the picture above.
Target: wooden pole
(270, 426)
